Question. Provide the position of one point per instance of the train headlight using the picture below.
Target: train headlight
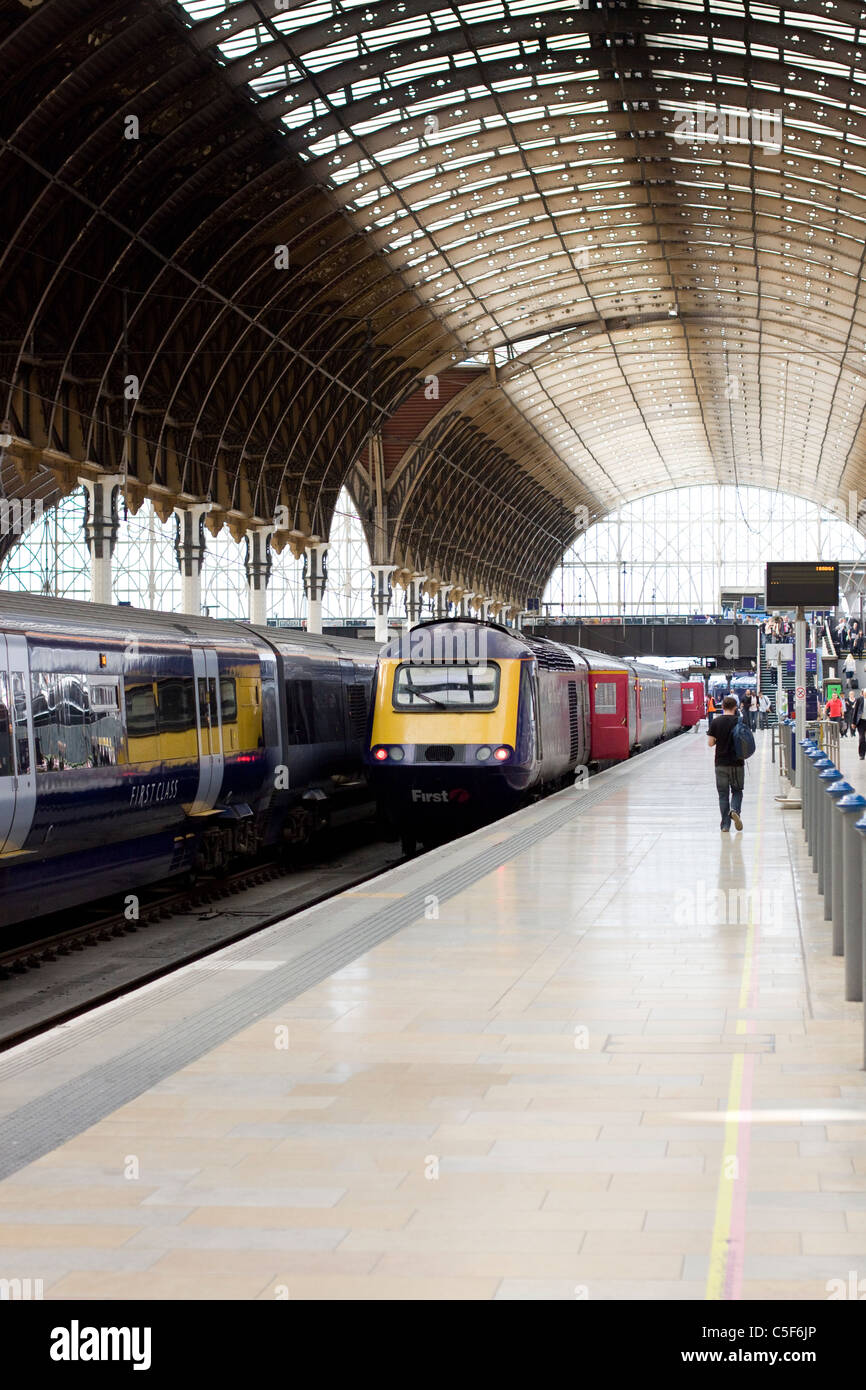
(501, 754)
(483, 754)
(382, 754)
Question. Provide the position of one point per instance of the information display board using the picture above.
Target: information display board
(812, 583)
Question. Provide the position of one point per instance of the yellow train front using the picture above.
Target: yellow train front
(455, 735)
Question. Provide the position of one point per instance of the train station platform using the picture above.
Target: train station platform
(597, 1050)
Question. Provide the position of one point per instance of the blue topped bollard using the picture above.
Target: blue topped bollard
(819, 765)
(833, 847)
(848, 929)
(847, 888)
(807, 745)
(857, 955)
(826, 779)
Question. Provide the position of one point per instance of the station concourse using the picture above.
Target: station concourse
(597, 1050)
(327, 327)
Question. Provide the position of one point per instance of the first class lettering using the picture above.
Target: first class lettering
(152, 793)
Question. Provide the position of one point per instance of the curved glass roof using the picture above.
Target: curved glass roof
(670, 199)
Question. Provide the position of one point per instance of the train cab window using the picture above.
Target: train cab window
(688, 696)
(446, 687)
(5, 728)
(229, 699)
(605, 697)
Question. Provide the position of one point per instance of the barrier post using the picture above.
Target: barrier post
(826, 780)
(833, 851)
(821, 765)
(852, 811)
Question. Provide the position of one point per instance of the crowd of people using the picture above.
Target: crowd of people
(754, 708)
(778, 629)
(848, 638)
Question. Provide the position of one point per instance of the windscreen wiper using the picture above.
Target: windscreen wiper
(411, 690)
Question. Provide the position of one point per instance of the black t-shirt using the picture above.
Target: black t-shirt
(721, 730)
(746, 701)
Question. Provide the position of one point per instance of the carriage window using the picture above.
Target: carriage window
(140, 709)
(61, 722)
(605, 697)
(688, 696)
(228, 699)
(176, 699)
(19, 714)
(104, 725)
(5, 728)
(446, 687)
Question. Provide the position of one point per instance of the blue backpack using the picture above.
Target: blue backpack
(743, 739)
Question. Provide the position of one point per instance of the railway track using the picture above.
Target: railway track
(232, 899)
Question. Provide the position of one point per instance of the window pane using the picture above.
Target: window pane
(5, 728)
(605, 697)
(454, 687)
(22, 734)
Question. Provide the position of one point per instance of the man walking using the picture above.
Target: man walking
(730, 770)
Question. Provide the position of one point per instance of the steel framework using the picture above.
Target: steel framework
(237, 237)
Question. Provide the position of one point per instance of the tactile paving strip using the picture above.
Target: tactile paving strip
(41, 1125)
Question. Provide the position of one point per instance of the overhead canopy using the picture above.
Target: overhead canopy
(647, 222)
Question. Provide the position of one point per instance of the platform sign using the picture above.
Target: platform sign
(811, 695)
(810, 583)
(779, 651)
(811, 664)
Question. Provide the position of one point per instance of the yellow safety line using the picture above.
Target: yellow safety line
(721, 1241)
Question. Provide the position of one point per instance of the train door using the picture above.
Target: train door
(211, 760)
(17, 770)
(610, 721)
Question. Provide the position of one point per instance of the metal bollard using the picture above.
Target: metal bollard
(812, 756)
(852, 810)
(838, 851)
(861, 827)
(833, 847)
(807, 746)
(821, 765)
(825, 781)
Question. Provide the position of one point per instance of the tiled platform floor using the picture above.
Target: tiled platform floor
(606, 1070)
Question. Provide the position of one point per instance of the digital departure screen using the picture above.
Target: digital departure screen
(814, 584)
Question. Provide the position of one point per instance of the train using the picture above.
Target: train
(471, 720)
(136, 747)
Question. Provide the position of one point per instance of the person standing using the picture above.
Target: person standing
(764, 708)
(849, 725)
(746, 706)
(858, 722)
(834, 710)
(729, 769)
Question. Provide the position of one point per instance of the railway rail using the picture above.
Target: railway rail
(78, 994)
